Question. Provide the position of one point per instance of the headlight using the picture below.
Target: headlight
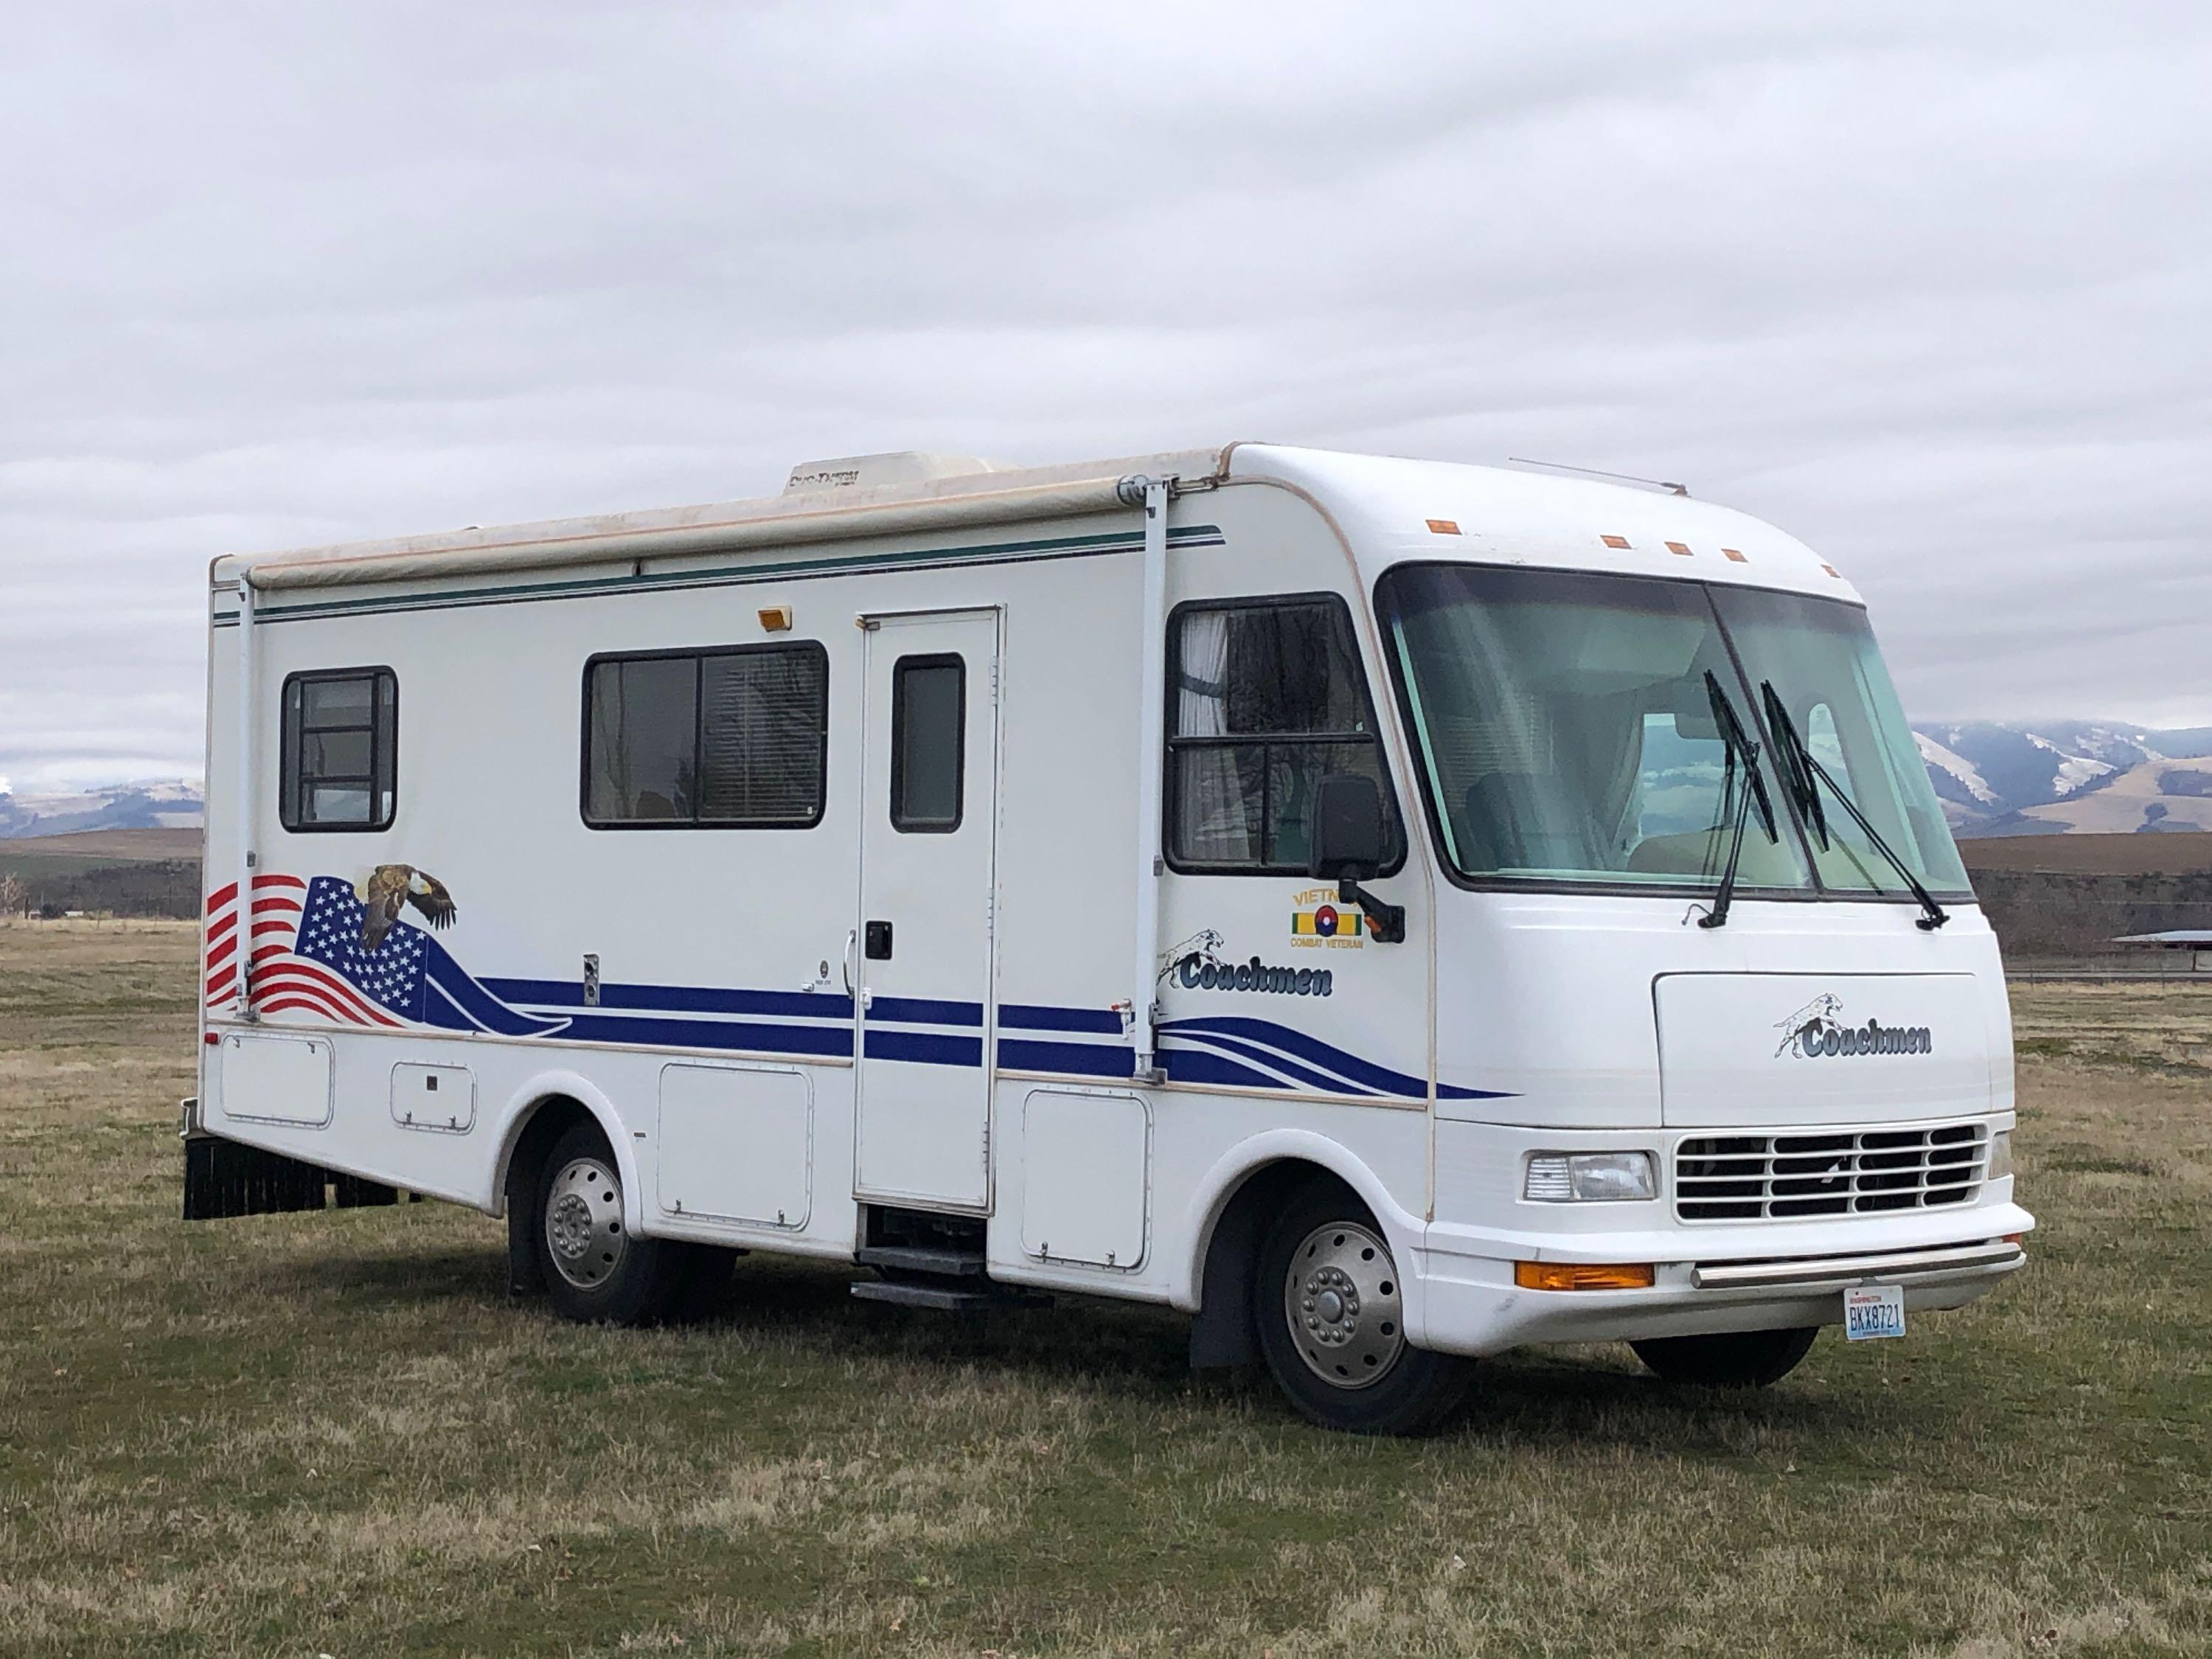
(2000, 1155)
(1589, 1178)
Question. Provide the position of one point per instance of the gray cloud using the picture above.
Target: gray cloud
(1928, 287)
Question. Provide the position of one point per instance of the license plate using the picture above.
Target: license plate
(1874, 1310)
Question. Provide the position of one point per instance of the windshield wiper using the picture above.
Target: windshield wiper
(1805, 775)
(1739, 746)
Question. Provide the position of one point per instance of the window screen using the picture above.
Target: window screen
(1264, 701)
(339, 752)
(929, 718)
(723, 739)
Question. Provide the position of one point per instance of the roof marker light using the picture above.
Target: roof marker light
(1832, 570)
(1443, 526)
(1615, 541)
(1733, 556)
(1679, 547)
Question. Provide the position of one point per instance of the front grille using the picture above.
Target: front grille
(1866, 1172)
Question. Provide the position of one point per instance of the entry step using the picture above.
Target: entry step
(923, 1259)
(954, 1297)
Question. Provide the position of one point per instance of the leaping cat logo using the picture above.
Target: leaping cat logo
(1199, 947)
(1804, 1028)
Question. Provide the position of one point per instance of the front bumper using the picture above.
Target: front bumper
(1708, 1277)
(1472, 1306)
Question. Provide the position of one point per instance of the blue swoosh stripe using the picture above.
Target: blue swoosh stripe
(675, 999)
(1072, 1059)
(625, 1014)
(1269, 1057)
(928, 1048)
(758, 1036)
(1037, 1017)
(1198, 1066)
(1326, 1056)
(479, 1008)
(925, 1010)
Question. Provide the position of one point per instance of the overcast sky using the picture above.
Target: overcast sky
(1929, 286)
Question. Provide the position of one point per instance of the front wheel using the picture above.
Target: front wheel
(1728, 1359)
(596, 1271)
(1331, 1323)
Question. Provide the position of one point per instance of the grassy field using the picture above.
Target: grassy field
(333, 1435)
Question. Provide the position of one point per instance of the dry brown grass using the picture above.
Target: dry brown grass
(303, 1434)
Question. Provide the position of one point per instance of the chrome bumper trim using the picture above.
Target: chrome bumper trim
(1813, 1272)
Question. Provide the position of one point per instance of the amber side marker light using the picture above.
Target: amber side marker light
(1619, 541)
(775, 618)
(1443, 526)
(1681, 547)
(1582, 1276)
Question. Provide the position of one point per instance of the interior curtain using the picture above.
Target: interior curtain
(1217, 824)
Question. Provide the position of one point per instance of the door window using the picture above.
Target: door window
(929, 718)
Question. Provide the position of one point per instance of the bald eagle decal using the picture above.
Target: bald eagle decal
(388, 889)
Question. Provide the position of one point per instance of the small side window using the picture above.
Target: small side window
(929, 723)
(338, 767)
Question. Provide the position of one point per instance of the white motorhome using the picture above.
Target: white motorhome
(1392, 911)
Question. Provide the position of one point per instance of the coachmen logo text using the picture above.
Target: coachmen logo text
(1817, 1031)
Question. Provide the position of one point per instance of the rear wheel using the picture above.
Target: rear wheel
(1331, 1323)
(1728, 1359)
(595, 1269)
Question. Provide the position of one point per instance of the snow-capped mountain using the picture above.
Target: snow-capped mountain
(175, 804)
(2041, 777)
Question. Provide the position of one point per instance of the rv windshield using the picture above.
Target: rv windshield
(1567, 733)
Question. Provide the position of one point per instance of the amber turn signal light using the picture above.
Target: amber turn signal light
(1582, 1276)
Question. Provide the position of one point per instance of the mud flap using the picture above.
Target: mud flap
(224, 1178)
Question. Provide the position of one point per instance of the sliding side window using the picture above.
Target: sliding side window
(1265, 699)
(340, 749)
(734, 738)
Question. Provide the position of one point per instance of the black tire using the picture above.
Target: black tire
(1728, 1359)
(1346, 1366)
(595, 1271)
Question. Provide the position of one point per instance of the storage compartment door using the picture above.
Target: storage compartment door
(273, 1079)
(737, 1144)
(1087, 1161)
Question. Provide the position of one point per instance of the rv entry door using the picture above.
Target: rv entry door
(929, 773)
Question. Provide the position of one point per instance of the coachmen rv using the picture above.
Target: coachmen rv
(1391, 911)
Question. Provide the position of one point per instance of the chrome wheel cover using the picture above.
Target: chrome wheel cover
(584, 1231)
(1342, 1302)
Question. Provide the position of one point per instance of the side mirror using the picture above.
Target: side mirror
(1350, 836)
(1347, 828)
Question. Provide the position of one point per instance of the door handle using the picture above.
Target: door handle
(845, 962)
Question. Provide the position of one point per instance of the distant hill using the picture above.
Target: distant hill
(102, 846)
(174, 805)
(125, 873)
(2037, 778)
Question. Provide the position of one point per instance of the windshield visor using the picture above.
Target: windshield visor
(1567, 731)
(1820, 657)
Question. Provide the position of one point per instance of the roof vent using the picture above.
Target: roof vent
(900, 466)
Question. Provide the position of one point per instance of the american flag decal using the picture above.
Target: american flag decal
(308, 957)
